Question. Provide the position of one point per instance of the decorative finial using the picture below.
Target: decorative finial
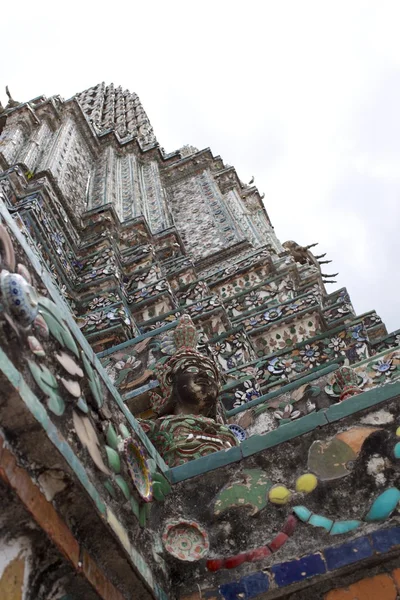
(11, 102)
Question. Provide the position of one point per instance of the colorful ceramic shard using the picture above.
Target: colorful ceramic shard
(185, 540)
(19, 297)
(384, 505)
(136, 459)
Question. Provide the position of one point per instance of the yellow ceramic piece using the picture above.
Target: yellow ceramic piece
(279, 495)
(398, 431)
(306, 483)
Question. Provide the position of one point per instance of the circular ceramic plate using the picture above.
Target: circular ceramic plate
(185, 540)
(136, 458)
(238, 431)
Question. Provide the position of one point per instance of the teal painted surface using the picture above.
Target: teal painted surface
(384, 505)
(344, 527)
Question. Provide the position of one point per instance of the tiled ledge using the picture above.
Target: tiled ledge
(314, 374)
(284, 433)
(325, 563)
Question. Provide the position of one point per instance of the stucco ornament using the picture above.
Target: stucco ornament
(189, 423)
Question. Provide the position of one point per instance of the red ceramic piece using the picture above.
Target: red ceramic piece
(278, 541)
(290, 525)
(215, 564)
(235, 561)
(258, 553)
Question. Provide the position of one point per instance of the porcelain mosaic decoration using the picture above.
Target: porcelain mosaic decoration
(185, 540)
(207, 395)
(136, 458)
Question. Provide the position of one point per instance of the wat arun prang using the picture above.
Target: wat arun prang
(188, 411)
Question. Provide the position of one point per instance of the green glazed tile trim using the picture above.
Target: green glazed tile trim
(314, 308)
(257, 443)
(136, 340)
(141, 390)
(226, 334)
(204, 464)
(320, 372)
(271, 303)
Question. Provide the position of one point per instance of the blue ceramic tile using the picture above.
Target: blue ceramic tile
(255, 584)
(348, 553)
(231, 591)
(386, 539)
(297, 570)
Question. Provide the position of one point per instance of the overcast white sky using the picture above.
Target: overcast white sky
(304, 95)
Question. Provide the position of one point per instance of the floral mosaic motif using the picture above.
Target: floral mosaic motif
(49, 386)
(385, 368)
(150, 291)
(136, 458)
(246, 263)
(338, 311)
(99, 320)
(284, 336)
(60, 390)
(185, 540)
(278, 312)
(195, 291)
(246, 392)
(286, 413)
(388, 342)
(287, 366)
(231, 350)
(258, 296)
